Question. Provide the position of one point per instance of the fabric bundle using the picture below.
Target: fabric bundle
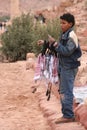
(46, 67)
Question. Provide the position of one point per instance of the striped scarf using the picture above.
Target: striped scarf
(46, 66)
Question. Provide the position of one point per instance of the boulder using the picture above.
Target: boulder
(81, 114)
(30, 61)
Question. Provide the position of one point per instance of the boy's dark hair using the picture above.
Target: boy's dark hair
(69, 18)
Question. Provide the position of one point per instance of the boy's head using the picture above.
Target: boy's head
(67, 21)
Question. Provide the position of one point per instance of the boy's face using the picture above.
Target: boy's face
(65, 25)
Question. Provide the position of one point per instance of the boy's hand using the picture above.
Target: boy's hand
(40, 42)
(55, 44)
(50, 39)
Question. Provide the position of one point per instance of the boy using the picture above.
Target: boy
(68, 51)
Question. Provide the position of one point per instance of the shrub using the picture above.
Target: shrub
(4, 18)
(21, 37)
(18, 38)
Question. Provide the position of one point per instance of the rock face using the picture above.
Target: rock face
(30, 61)
(26, 5)
(81, 78)
(81, 114)
(14, 8)
(80, 12)
(4, 7)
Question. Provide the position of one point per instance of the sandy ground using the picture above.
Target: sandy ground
(20, 109)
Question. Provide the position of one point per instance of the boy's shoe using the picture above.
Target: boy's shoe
(64, 120)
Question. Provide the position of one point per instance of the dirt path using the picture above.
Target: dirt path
(20, 109)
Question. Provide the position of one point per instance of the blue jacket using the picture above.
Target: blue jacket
(69, 50)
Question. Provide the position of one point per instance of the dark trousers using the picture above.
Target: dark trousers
(67, 77)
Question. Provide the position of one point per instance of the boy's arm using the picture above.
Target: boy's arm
(71, 45)
(44, 45)
(68, 49)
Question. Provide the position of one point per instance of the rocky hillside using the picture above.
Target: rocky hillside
(51, 9)
(79, 9)
(27, 5)
(4, 7)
